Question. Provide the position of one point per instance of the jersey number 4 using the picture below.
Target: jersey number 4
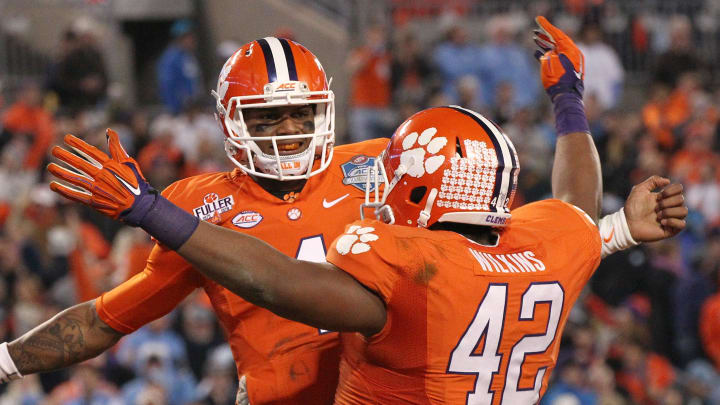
(488, 323)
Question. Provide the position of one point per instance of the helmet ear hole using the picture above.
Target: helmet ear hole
(417, 194)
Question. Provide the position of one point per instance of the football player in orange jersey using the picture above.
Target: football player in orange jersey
(292, 189)
(462, 303)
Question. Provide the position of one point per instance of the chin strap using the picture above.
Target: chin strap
(425, 214)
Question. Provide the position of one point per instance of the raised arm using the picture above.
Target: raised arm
(317, 294)
(576, 176)
(72, 336)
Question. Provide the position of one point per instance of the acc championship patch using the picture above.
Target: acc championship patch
(355, 171)
(247, 219)
(213, 206)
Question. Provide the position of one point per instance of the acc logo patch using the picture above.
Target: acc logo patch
(355, 171)
(213, 206)
(247, 219)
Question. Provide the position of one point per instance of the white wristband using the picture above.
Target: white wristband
(615, 233)
(8, 371)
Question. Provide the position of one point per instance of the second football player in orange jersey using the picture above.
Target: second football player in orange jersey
(477, 322)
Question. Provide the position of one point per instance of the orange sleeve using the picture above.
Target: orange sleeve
(586, 240)
(173, 192)
(586, 244)
(569, 234)
(165, 282)
(365, 252)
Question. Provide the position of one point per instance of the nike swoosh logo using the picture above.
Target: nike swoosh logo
(578, 74)
(609, 238)
(134, 190)
(328, 204)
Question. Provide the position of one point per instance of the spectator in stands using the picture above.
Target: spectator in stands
(503, 62)
(159, 333)
(47, 241)
(369, 67)
(90, 268)
(570, 387)
(602, 381)
(681, 57)
(691, 290)
(178, 71)
(709, 323)
(667, 268)
(533, 141)
(697, 155)
(604, 73)
(455, 57)
(644, 374)
(664, 112)
(30, 303)
(140, 129)
(24, 392)
(196, 135)
(503, 105)
(199, 333)
(159, 380)
(161, 159)
(130, 250)
(412, 76)
(220, 383)
(704, 195)
(86, 386)
(79, 77)
(468, 93)
(10, 267)
(702, 383)
(27, 121)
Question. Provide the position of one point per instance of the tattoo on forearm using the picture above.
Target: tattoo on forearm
(70, 337)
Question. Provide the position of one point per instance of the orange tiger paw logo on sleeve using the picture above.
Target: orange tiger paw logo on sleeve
(356, 240)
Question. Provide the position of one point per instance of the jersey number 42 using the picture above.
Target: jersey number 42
(488, 323)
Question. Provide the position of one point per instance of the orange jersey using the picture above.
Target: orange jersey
(466, 323)
(284, 362)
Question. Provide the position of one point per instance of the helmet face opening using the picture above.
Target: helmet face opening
(267, 73)
(447, 164)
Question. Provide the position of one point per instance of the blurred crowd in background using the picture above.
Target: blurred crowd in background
(645, 330)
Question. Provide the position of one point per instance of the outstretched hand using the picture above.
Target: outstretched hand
(111, 184)
(655, 215)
